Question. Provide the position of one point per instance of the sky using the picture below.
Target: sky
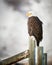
(14, 36)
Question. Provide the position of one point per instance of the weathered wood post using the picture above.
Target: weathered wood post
(39, 55)
(36, 53)
(32, 44)
(45, 59)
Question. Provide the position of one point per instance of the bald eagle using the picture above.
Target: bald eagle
(35, 28)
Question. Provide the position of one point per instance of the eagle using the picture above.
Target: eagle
(35, 28)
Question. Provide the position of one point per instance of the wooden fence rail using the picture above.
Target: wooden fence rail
(15, 58)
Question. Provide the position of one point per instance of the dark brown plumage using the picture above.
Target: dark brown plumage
(35, 28)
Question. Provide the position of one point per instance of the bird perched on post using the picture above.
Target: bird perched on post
(35, 28)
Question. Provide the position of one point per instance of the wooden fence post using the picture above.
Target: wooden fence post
(45, 59)
(39, 55)
(32, 44)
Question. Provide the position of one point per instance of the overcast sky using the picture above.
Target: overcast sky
(13, 25)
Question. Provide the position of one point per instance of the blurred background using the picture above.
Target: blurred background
(14, 36)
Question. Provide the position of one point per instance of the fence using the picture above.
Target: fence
(35, 55)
